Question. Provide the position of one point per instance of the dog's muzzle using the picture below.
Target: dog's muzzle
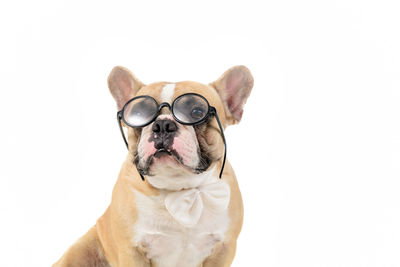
(163, 134)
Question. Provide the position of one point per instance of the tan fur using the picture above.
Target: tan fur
(109, 242)
(87, 251)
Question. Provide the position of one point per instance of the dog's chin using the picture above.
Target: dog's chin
(166, 163)
(165, 170)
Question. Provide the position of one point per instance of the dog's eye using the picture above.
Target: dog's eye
(197, 113)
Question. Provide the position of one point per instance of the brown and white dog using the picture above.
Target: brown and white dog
(182, 214)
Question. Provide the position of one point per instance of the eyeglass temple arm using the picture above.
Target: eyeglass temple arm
(119, 117)
(214, 111)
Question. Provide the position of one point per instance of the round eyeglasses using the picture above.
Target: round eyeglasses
(187, 109)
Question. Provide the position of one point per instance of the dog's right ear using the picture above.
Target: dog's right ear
(123, 85)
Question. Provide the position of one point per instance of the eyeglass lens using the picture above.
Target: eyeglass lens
(140, 111)
(188, 109)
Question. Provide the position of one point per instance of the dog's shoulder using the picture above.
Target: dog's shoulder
(87, 251)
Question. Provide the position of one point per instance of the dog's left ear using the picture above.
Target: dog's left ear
(123, 85)
(234, 87)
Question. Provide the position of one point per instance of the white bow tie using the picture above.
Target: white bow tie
(186, 206)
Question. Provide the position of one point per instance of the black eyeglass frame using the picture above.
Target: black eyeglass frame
(212, 111)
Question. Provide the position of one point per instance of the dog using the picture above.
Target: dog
(176, 202)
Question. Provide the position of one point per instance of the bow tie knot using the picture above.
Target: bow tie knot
(187, 205)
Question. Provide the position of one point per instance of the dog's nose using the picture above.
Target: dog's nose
(163, 133)
(164, 126)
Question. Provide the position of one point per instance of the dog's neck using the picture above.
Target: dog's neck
(183, 195)
(175, 181)
(165, 181)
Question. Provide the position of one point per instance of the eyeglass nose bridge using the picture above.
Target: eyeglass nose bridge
(164, 104)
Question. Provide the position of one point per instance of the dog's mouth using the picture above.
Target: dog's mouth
(162, 152)
(161, 156)
(167, 156)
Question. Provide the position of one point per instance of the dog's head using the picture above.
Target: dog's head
(172, 155)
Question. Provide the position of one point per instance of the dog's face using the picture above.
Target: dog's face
(172, 155)
(168, 147)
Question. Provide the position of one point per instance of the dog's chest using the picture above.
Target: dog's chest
(166, 242)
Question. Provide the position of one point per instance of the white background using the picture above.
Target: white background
(317, 153)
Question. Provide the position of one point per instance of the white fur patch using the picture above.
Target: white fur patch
(175, 179)
(167, 93)
(166, 241)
